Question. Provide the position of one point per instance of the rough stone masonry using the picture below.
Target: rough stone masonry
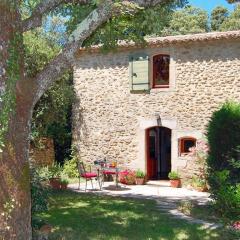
(111, 121)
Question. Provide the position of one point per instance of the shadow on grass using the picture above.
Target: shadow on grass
(88, 216)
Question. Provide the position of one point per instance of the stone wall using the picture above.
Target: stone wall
(109, 121)
(43, 155)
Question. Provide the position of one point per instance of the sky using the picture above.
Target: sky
(208, 5)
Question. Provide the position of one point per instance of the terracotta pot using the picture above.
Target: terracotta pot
(55, 183)
(63, 186)
(202, 189)
(140, 181)
(176, 183)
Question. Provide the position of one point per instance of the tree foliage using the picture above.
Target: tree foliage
(127, 26)
(52, 114)
(51, 117)
(218, 16)
(38, 51)
(233, 1)
(188, 20)
(232, 22)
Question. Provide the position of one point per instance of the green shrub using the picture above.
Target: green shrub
(224, 140)
(224, 159)
(173, 175)
(226, 195)
(39, 195)
(64, 181)
(198, 182)
(50, 172)
(70, 168)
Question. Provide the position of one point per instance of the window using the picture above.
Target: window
(139, 73)
(185, 144)
(161, 71)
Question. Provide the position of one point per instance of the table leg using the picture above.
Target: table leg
(99, 179)
(116, 178)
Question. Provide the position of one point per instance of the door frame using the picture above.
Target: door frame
(147, 149)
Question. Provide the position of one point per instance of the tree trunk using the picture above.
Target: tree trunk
(15, 200)
(15, 115)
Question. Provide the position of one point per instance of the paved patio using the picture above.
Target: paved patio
(152, 190)
(166, 197)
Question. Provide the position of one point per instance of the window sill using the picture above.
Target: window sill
(182, 155)
(184, 158)
(155, 90)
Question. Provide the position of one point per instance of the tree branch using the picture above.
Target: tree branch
(48, 5)
(65, 59)
(44, 7)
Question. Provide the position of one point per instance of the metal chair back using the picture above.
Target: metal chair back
(81, 168)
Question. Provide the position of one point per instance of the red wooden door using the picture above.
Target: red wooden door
(151, 153)
(158, 152)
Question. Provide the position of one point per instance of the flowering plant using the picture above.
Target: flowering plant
(200, 153)
(127, 177)
(236, 225)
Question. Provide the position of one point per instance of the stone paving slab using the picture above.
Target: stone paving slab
(146, 191)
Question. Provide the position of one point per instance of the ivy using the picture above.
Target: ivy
(8, 99)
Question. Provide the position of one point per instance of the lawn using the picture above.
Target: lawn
(87, 216)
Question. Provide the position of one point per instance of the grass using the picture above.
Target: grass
(205, 212)
(87, 216)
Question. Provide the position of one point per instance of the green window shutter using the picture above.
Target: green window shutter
(139, 73)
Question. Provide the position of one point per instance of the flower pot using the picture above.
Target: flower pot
(201, 189)
(55, 183)
(63, 185)
(175, 183)
(140, 181)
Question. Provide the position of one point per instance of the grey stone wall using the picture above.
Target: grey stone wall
(109, 121)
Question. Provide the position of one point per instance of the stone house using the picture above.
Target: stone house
(145, 106)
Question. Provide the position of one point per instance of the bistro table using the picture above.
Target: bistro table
(106, 168)
(111, 171)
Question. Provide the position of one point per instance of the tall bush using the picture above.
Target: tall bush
(70, 165)
(224, 140)
(224, 158)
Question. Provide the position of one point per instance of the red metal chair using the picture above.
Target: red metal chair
(88, 176)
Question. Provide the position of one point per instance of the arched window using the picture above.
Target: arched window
(185, 145)
(161, 71)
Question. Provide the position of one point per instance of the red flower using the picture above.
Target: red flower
(236, 225)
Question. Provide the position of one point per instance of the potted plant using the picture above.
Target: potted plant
(140, 177)
(175, 180)
(63, 183)
(127, 177)
(199, 184)
(54, 176)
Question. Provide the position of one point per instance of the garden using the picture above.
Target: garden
(63, 214)
(73, 216)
